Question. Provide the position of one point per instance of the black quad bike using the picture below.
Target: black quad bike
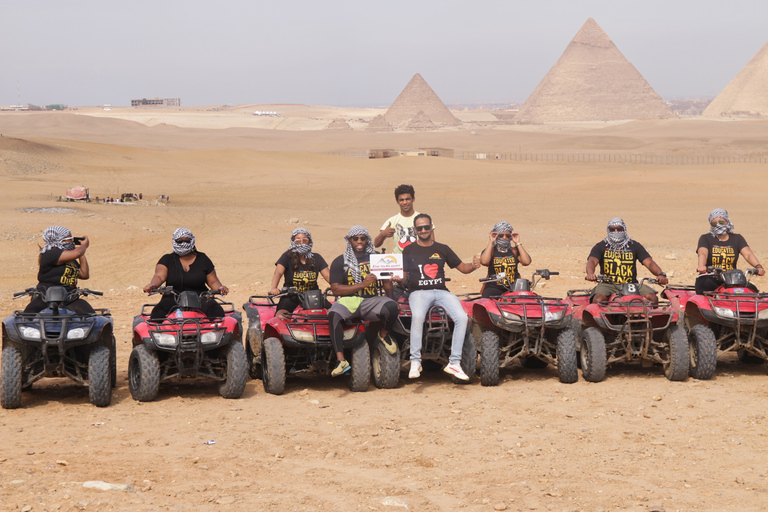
(58, 342)
(187, 344)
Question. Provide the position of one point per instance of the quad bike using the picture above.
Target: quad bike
(627, 327)
(733, 318)
(437, 338)
(58, 342)
(300, 342)
(521, 325)
(187, 344)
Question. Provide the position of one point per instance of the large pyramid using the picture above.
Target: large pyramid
(416, 96)
(747, 94)
(592, 81)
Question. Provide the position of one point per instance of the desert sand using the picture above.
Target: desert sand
(241, 183)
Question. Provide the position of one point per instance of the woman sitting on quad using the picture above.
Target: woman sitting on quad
(501, 256)
(185, 269)
(62, 263)
(720, 248)
(300, 267)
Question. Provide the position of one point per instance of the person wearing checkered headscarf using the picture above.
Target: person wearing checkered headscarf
(58, 237)
(183, 241)
(503, 254)
(350, 259)
(720, 248)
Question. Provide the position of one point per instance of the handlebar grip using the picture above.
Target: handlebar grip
(95, 293)
(554, 273)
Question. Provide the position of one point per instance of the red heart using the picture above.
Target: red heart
(431, 270)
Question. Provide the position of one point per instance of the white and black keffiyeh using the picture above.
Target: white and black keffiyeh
(617, 240)
(502, 244)
(54, 236)
(302, 249)
(183, 248)
(720, 229)
(350, 260)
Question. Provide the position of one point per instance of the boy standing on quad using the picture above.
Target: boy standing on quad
(617, 255)
(424, 268)
(402, 223)
(357, 298)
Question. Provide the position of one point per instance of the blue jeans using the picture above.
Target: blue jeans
(420, 302)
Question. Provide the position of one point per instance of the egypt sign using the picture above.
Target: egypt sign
(384, 266)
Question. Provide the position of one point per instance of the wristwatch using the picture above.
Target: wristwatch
(661, 274)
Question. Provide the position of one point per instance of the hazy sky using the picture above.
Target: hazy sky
(353, 52)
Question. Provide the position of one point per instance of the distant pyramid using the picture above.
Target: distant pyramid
(420, 123)
(592, 81)
(418, 95)
(747, 94)
(379, 124)
(338, 124)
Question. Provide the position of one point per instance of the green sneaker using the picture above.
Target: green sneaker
(388, 343)
(341, 368)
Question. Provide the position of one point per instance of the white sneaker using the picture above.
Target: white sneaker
(415, 372)
(456, 371)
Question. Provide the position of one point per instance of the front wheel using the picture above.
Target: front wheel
(10, 380)
(143, 374)
(489, 358)
(385, 366)
(273, 366)
(100, 376)
(113, 362)
(702, 352)
(676, 367)
(567, 367)
(237, 371)
(592, 355)
(360, 374)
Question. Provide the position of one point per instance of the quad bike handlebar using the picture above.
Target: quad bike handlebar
(73, 295)
(717, 272)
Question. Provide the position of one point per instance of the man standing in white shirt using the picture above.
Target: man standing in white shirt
(400, 226)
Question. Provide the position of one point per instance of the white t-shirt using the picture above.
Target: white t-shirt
(404, 235)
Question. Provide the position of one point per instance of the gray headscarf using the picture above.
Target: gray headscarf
(617, 240)
(350, 260)
(720, 229)
(302, 249)
(502, 244)
(54, 236)
(182, 249)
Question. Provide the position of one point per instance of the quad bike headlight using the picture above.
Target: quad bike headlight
(762, 315)
(724, 312)
(30, 333)
(211, 337)
(350, 333)
(549, 316)
(164, 339)
(510, 317)
(77, 333)
(303, 335)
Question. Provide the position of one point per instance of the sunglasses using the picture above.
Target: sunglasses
(302, 241)
(503, 235)
(722, 222)
(615, 228)
(425, 227)
(361, 238)
(184, 240)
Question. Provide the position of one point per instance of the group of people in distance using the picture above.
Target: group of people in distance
(62, 262)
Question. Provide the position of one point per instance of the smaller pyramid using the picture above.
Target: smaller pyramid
(379, 125)
(592, 81)
(338, 124)
(420, 123)
(419, 96)
(747, 94)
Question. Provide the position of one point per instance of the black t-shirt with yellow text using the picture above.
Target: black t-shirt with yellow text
(506, 262)
(620, 266)
(722, 255)
(302, 277)
(53, 274)
(341, 275)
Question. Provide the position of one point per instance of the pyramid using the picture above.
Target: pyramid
(747, 94)
(420, 123)
(418, 95)
(338, 124)
(592, 81)
(379, 124)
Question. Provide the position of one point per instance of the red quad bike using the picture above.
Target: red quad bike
(300, 342)
(521, 325)
(732, 318)
(187, 344)
(437, 338)
(627, 327)
(58, 342)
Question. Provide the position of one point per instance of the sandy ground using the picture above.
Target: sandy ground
(633, 442)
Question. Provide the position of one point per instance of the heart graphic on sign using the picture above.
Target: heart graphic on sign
(431, 270)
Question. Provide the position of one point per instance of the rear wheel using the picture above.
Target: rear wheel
(489, 358)
(10, 378)
(113, 362)
(254, 365)
(143, 374)
(676, 367)
(237, 371)
(273, 366)
(702, 352)
(592, 355)
(566, 357)
(468, 358)
(385, 366)
(100, 376)
(360, 374)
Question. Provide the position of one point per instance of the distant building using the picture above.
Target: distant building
(175, 102)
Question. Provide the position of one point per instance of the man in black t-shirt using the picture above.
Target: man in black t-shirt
(616, 256)
(357, 296)
(424, 268)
